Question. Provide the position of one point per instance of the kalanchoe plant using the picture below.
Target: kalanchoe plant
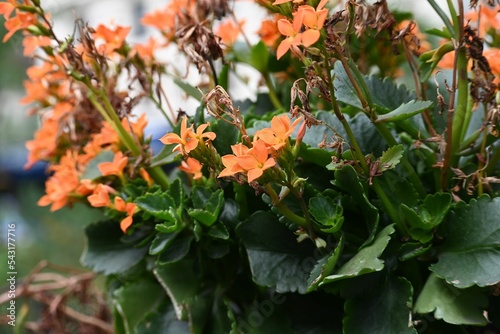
(337, 201)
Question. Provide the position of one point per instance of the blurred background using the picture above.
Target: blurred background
(58, 237)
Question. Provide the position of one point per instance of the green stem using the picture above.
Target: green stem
(110, 116)
(272, 92)
(389, 208)
(443, 17)
(336, 109)
(461, 105)
(355, 79)
(305, 211)
(283, 208)
(159, 176)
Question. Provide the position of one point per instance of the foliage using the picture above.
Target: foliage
(330, 203)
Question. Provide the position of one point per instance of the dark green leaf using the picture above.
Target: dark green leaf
(404, 111)
(412, 250)
(276, 259)
(176, 192)
(158, 205)
(366, 260)
(207, 205)
(327, 213)
(427, 216)
(453, 305)
(181, 282)
(165, 156)
(161, 241)
(227, 135)
(143, 291)
(382, 310)
(176, 249)
(324, 267)
(105, 252)
(347, 179)
(471, 250)
(218, 231)
(163, 321)
(384, 92)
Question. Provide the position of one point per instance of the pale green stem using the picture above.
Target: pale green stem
(283, 208)
(272, 92)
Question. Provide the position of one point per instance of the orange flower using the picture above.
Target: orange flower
(269, 32)
(256, 161)
(311, 18)
(136, 127)
(111, 39)
(44, 144)
(293, 37)
(486, 18)
(281, 129)
(114, 168)
(21, 20)
(230, 161)
(100, 196)
(229, 31)
(165, 19)
(146, 51)
(6, 8)
(129, 208)
(192, 166)
(60, 186)
(493, 57)
(145, 175)
(188, 140)
(31, 43)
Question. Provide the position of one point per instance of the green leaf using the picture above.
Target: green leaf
(348, 180)
(412, 250)
(188, 89)
(259, 56)
(453, 305)
(427, 216)
(404, 111)
(176, 249)
(160, 242)
(276, 259)
(385, 309)
(181, 282)
(366, 260)
(92, 171)
(390, 158)
(327, 213)
(105, 252)
(324, 267)
(165, 156)
(471, 250)
(142, 291)
(163, 321)
(157, 204)
(227, 135)
(207, 205)
(218, 231)
(384, 92)
(176, 192)
(430, 59)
